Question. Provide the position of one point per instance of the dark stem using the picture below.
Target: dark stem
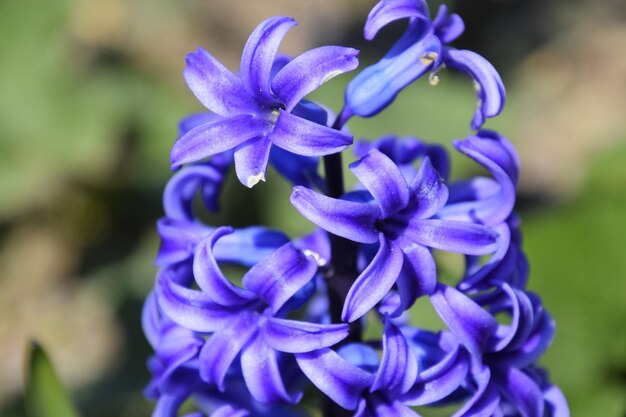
(342, 271)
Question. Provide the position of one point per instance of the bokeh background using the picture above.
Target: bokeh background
(90, 96)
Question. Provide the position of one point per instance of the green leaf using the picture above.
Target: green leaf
(45, 394)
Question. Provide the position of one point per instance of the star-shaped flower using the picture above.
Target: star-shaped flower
(257, 109)
(403, 219)
(247, 323)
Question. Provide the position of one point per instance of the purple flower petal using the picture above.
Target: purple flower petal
(280, 275)
(248, 246)
(191, 309)
(334, 376)
(151, 320)
(418, 276)
(405, 151)
(258, 55)
(300, 337)
(168, 405)
(522, 391)
(495, 263)
(428, 191)
(489, 86)
(251, 160)
(518, 306)
(177, 347)
(215, 137)
(303, 137)
(398, 368)
(390, 190)
(221, 349)
(556, 403)
(178, 240)
(496, 154)
(300, 170)
(452, 236)
(310, 70)
(262, 375)
(209, 277)
(485, 400)
(536, 344)
(379, 406)
(228, 411)
(194, 120)
(374, 282)
(218, 89)
(467, 320)
(374, 88)
(448, 27)
(388, 11)
(182, 187)
(439, 381)
(352, 220)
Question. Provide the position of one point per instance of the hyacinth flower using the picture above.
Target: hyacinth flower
(505, 378)
(247, 322)
(422, 48)
(403, 219)
(290, 335)
(176, 374)
(256, 110)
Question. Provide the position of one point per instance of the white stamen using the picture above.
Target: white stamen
(429, 58)
(316, 256)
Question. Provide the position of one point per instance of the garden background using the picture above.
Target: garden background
(90, 97)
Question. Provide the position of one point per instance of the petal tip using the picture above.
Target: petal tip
(254, 179)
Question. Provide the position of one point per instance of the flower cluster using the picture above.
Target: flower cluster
(288, 336)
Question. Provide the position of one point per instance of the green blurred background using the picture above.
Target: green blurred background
(90, 96)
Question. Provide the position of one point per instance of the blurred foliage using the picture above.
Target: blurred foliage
(45, 394)
(86, 132)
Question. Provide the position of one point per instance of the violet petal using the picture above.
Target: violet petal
(334, 376)
(388, 11)
(383, 180)
(352, 220)
(303, 137)
(215, 137)
(489, 86)
(300, 337)
(223, 347)
(398, 367)
(466, 319)
(251, 159)
(280, 275)
(374, 282)
(258, 55)
(191, 309)
(209, 276)
(218, 89)
(307, 72)
(452, 236)
(260, 369)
